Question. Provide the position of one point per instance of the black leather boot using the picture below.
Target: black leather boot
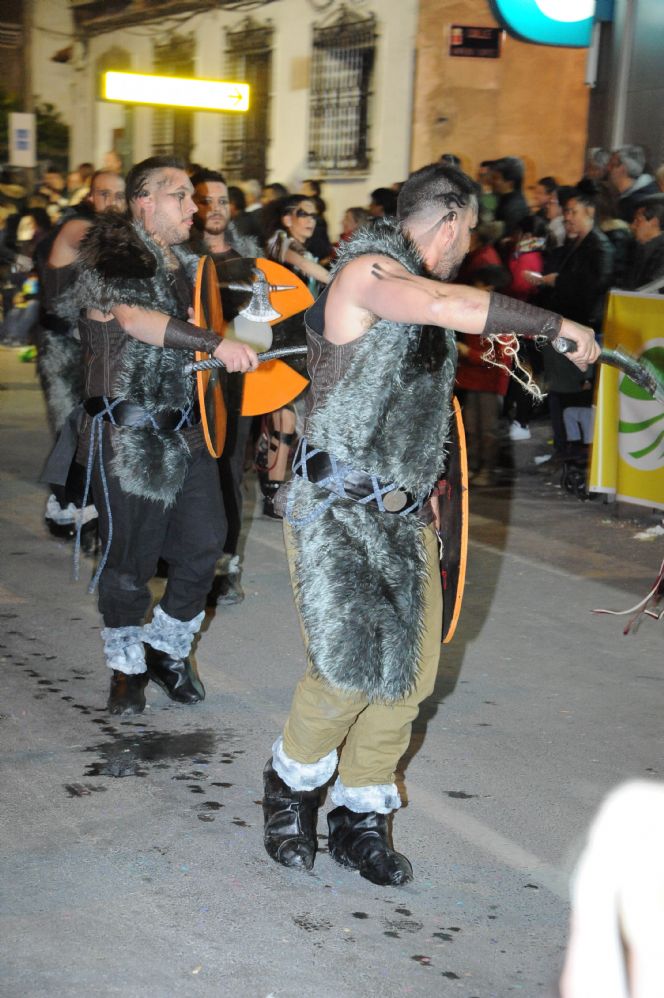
(176, 676)
(360, 841)
(290, 821)
(127, 693)
(269, 490)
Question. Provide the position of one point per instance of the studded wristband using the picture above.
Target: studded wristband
(509, 315)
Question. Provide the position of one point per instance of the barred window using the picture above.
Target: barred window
(171, 127)
(341, 75)
(246, 136)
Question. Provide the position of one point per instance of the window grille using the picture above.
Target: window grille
(171, 127)
(341, 73)
(246, 136)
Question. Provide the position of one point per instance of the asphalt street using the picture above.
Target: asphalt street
(131, 850)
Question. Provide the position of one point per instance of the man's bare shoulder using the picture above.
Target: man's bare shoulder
(346, 314)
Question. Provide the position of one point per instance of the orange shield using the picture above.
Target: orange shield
(280, 298)
(208, 313)
(453, 513)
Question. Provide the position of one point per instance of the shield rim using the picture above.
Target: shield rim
(210, 315)
(460, 441)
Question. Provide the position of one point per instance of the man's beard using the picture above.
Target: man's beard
(215, 226)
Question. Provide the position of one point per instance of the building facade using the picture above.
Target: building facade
(332, 86)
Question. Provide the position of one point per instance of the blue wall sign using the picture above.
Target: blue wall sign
(548, 22)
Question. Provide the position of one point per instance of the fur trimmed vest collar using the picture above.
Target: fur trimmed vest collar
(360, 575)
(389, 414)
(120, 264)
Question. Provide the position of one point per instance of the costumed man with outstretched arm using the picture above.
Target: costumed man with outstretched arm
(363, 552)
(154, 484)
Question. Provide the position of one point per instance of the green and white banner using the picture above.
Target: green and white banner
(628, 447)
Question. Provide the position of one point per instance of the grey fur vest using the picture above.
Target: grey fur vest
(120, 264)
(360, 574)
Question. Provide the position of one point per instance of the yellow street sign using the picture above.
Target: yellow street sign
(172, 91)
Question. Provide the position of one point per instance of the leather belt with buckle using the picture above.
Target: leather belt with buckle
(129, 414)
(356, 484)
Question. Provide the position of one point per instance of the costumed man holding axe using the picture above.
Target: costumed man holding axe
(362, 549)
(154, 484)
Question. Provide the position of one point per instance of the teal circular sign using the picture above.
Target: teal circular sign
(548, 22)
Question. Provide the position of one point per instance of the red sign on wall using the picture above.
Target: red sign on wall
(478, 43)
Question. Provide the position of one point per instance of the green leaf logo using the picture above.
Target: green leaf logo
(641, 426)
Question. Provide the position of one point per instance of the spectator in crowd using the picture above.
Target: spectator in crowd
(555, 223)
(319, 244)
(112, 162)
(629, 180)
(53, 189)
(597, 170)
(78, 184)
(648, 228)
(273, 192)
(353, 219)
(243, 224)
(488, 200)
(288, 244)
(577, 292)
(20, 323)
(252, 191)
(271, 198)
(508, 185)
(482, 252)
(543, 191)
(383, 203)
(481, 388)
(597, 164)
(526, 258)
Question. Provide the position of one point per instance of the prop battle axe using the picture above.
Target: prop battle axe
(276, 296)
(641, 372)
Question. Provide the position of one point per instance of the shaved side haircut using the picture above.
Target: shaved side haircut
(139, 175)
(434, 189)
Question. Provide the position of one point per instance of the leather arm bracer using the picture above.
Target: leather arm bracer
(181, 335)
(509, 315)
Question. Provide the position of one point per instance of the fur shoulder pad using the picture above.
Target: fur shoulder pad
(386, 238)
(114, 248)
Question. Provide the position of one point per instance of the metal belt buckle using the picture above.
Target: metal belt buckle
(395, 501)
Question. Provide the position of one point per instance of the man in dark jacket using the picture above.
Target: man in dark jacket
(508, 184)
(628, 178)
(648, 229)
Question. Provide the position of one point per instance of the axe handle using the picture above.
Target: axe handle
(641, 373)
(209, 365)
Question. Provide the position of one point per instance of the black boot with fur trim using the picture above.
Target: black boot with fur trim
(290, 822)
(127, 693)
(360, 842)
(176, 676)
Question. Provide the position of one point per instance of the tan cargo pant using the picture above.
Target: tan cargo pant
(376, 734)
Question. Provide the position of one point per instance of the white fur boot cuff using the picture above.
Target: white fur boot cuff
(124, 649)
(380, 797)
(302, 775)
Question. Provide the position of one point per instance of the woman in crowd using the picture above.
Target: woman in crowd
(287, 244)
